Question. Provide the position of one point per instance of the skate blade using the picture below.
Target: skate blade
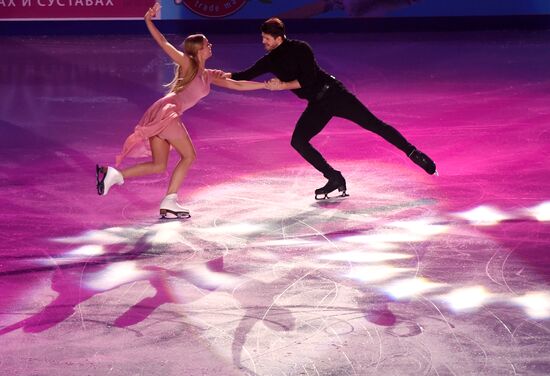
(169, 214)
(327, 197)
(100, 186)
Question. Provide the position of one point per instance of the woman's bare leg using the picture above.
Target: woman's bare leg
(160, 150)
(186, 150)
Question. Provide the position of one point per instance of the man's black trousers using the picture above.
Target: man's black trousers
(338, 101)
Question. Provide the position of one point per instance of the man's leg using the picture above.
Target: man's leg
(349, 107)
(312, 121)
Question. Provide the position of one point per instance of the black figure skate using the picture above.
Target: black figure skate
(423, 161)
(334, 183)
(170, 209)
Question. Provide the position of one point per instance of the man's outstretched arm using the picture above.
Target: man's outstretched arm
(259, 68)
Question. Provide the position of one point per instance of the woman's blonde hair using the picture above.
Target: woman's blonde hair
(191, 45)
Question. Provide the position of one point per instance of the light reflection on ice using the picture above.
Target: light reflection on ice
(483, 216)
(115, 275)
(541, 212)
(535, 304)
(411, 287)
(466, 299)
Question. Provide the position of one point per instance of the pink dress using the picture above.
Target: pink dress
(164, 114)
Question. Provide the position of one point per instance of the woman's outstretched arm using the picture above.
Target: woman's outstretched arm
(238, 85)
(176, 55)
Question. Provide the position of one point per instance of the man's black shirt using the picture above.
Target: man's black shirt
(291, 60)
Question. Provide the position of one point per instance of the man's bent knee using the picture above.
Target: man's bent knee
(298, 143)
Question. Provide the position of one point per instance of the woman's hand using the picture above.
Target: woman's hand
(152, 12)
(217, 73)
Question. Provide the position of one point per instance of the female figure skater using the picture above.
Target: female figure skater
(161, 128)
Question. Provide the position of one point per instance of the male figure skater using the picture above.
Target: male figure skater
(294, 65)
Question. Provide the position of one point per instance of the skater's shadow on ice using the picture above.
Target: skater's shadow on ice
(329, 203)
(160, 279)
(67, 282)
(375, 309)
(259, 299)
(77, 285)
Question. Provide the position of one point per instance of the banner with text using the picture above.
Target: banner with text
(262, 9)
(73, 9)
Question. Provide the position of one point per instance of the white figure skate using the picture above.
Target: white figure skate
(170, 209)
(106, 178)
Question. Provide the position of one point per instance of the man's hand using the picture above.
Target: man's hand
(274, 84)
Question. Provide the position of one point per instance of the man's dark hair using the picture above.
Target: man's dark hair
(274, 27)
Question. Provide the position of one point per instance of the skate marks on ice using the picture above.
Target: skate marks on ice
(393, 244)
(382, 282)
